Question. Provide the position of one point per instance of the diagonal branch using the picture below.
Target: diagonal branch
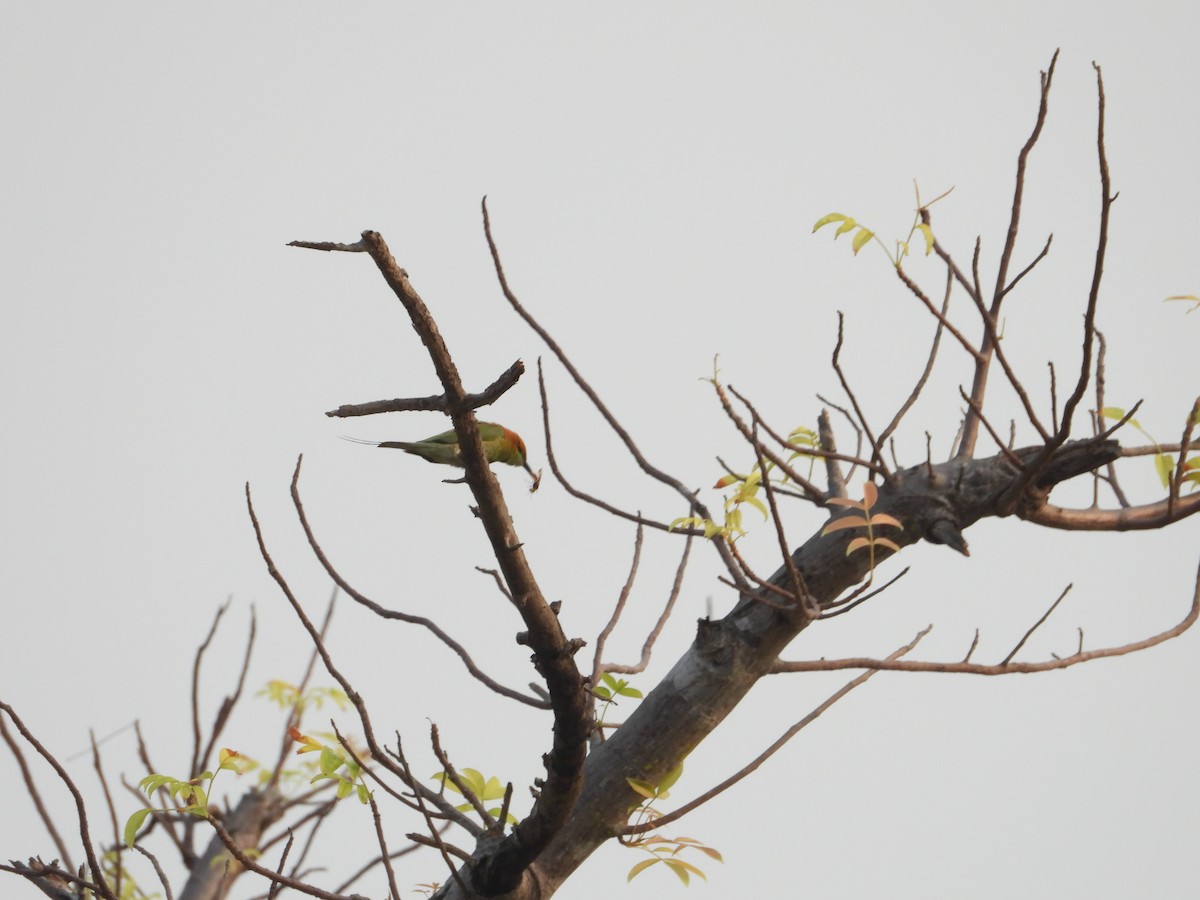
(501, 866)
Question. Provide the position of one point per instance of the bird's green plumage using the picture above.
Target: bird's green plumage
(499, 444)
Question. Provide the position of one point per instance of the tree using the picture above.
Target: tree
(601, 781)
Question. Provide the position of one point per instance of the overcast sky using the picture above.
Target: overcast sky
(653, 174)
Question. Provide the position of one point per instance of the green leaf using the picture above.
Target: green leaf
(643, 788)
(364, 794)
(825, 220)
(861, 239)
(152, 783)
(493, 790)
(1117, 414)
(1166, 467)
(134, 825)
(474, 780)
(670, 778)
(331, 761)
(344, 788)
(848, 225)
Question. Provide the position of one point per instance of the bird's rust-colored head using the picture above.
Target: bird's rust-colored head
(519, 456)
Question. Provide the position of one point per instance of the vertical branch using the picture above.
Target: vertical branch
(970, 432)
(1009, 500)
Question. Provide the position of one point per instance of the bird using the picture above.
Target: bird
(500, 444)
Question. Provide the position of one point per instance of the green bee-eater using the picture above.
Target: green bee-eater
(499, 445)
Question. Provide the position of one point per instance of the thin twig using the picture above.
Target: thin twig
(844, 606)
(622, 599)
(158, 870)
(582, 495)
(1035, 626)
(876, 446)
(618, 429)
(34, 795)
(648, 645)
(1010, 668)
(1013, 494)
(920, 385)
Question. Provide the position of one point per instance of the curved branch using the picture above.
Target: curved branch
(585, 497)
(619, 430)
(385, 613)
(1130, 518)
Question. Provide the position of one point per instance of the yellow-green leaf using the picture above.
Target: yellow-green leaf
(848, 225)
(669, 779)
(861, 239)
(134, 825)
(682, 868)
(759, 505)
(825, 220)
(641, 867)
(641, 787)
(1189, 298)
(331, 761)
(928, 233)
(1166, 466)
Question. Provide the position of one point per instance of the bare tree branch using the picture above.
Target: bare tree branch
(101, 886)
(436, 402)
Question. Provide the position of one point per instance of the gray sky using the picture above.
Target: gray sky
(653, 176)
